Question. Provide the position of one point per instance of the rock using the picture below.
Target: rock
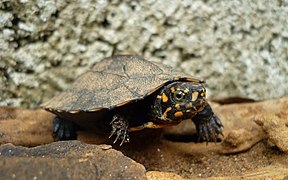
(25, 127)
(156, 175)
(240, 140)
(267, 173)
(277, 129)
(240, 129)
(67, 160)
(244, 141)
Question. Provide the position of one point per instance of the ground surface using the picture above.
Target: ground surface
(254, 144)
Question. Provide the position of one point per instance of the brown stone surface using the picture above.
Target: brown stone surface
(277, 129)
(266, 173)
(25, 127)
(156, 175)
(248, 150)
(67, 160)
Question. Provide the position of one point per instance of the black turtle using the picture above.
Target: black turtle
(128, 93)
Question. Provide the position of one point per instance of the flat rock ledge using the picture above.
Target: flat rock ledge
(67, 160)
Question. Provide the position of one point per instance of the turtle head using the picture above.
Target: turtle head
(178, 101)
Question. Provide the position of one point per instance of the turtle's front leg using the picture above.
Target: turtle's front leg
(208, 125)
(120, 128)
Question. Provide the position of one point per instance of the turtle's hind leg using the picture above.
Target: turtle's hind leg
(63, 129)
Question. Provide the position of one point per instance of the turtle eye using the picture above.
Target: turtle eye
(179, 95)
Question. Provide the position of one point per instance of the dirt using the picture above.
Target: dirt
(254, 145)
(199, 160)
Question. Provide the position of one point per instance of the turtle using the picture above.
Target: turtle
(126, 93)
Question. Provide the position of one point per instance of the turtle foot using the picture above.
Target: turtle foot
(120, 129)
(208, 125)
(210, 130)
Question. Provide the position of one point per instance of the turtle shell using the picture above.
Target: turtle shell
(114, 82)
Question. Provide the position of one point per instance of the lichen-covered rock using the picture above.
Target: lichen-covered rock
(67, 160)
(239, 47)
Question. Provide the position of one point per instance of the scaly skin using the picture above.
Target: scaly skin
(207, 124)
(63, 129)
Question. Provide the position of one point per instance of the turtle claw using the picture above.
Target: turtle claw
(120, 129)
(112, 132)
(124, 139)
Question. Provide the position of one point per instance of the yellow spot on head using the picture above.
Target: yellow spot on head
(177, 106)
(178, 114)
(164, 97)
(165, 113)
(172, 89)
(189, 105)
(186, 90)
(203, 94)
(195, 96)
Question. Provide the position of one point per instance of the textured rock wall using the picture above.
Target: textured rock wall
(240, 47)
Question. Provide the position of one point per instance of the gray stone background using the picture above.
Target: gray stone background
(240, 47)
